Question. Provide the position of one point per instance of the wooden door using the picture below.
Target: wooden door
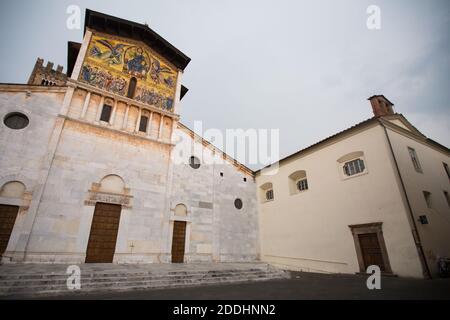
(8, 215)
(103, 236)
(178, 241)
(371, 250)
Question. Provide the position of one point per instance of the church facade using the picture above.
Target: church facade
(96, 167)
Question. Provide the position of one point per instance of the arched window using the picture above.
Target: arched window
(352, 164)
(132, 88)
(266, 192)
(298, 182)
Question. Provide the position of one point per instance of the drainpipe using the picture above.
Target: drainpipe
(416, 236)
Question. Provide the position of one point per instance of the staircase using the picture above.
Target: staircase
(50, 280)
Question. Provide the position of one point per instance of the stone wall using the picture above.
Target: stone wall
(218, 230)
(62, 159)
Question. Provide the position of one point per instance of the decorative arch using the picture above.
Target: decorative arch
(350, 156)
(110, 189)
(112, 184)
(12, 189)
(181, 210)
(28, 183)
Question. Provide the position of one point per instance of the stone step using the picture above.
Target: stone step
(135, 277)
(87, 276)
(110, 282)
(83, 291)
(133, 285)
(25, 276)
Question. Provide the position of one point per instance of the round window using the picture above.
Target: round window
(194, 162)
(16, 120)
(238, 204)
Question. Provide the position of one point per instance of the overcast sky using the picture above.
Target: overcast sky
(305, 67)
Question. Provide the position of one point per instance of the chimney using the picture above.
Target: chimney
(381, 106)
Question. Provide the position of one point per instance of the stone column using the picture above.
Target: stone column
(138, 120)
(99, 109)
(149, 127)
(67, 99)
(125, 118)
(84, 47)
(161, 127)
(114, 112)
(86, 105)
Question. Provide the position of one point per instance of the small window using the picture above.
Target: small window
(302, 185)
(269, 195)
(106, 113)
(132, 88)
(447, 170)
(16, 121)
(143, 124)
(221, 174)
(194, 162)
(415, 159)
(427, 196)
(238, 204)
(354, 167)
(245, 179)
(447, 198)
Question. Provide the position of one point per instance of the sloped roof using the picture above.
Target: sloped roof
(360, 125)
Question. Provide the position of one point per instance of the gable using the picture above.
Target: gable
(399, 123)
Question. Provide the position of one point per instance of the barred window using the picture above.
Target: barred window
(269, 195)
(354, 167)
(302, 185)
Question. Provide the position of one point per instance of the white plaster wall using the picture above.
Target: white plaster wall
(435, 235)
(310, 230)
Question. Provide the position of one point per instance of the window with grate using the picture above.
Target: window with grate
(354, 167)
